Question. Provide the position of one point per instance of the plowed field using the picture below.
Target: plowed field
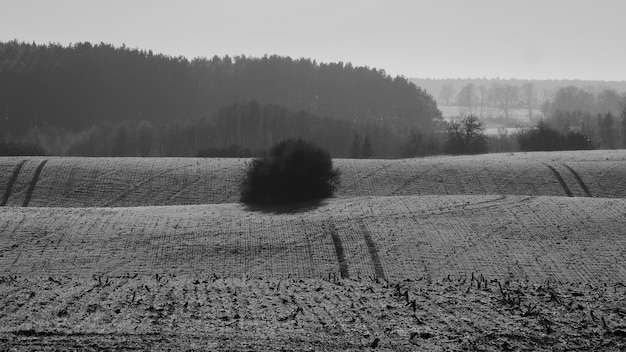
(130, 182)
(539, 238)
(493, 252)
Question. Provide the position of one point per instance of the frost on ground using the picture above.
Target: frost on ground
(211, 313)
(128, 182)
(559, 238)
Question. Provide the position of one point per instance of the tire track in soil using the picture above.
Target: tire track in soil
(33, 183)
(12, 180)
(339, 251)
(580, 180)
(373, 250)
(560, 179)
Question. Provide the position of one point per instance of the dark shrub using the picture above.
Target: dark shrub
(466, 136)
(545, 138)
(293, 171)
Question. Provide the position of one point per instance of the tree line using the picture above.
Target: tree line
(83, 85)
(243, 129)
(473, 100)
(100, 100)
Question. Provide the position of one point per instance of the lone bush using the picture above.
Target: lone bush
(293, 171)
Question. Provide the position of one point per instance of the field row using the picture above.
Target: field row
(560, 238)
(211, 313)
(124, 182)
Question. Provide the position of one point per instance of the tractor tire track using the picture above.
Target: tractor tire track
(373, 250)
(560, 179)
(33, 183)
(339, 251)
(580, 180)
(12, 180)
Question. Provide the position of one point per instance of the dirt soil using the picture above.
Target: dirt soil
(211, 313)
(523, 252)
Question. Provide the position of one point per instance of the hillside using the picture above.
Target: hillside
(127, 182)
(493, 252)
(537, 238)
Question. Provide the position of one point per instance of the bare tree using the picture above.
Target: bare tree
(546, 102)
(504, 95)
(447, 92)
(467, 98)
(608, 100)
(529, 98)
(482, 92)
(466, 136)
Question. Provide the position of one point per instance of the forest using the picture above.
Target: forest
(87, 99)
(101, 100)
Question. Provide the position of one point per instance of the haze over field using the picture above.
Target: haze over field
(452, 38)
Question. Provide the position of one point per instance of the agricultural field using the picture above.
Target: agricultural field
(134, 182)
(522, 251)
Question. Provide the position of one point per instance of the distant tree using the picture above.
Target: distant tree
(607, 129)
(466, 136)
(421, 144)
(233, 151)
(572, 98)
(540, 138)
(503, 142)
(355, 150)
(482, 98)
(21, 149)
(528, 97)
(467, 98)
(623, 126)
(546, 103)
(82, 85)
(608, 101)
(505, 96)
(545, 138)
(447, 92)
(367, 151)
(293, 171)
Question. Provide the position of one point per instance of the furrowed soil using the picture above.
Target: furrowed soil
(129, 182)
(500, 252)
(213, 313)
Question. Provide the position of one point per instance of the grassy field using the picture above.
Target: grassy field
(491, 252)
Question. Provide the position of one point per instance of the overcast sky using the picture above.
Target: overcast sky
(528, 39)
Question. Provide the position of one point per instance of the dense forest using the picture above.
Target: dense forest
(99, 99)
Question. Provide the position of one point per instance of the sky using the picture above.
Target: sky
(524, 39)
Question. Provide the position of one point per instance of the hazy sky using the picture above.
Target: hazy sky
(416, 38)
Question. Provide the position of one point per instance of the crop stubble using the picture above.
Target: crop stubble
(505, 217)
(209, 312)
